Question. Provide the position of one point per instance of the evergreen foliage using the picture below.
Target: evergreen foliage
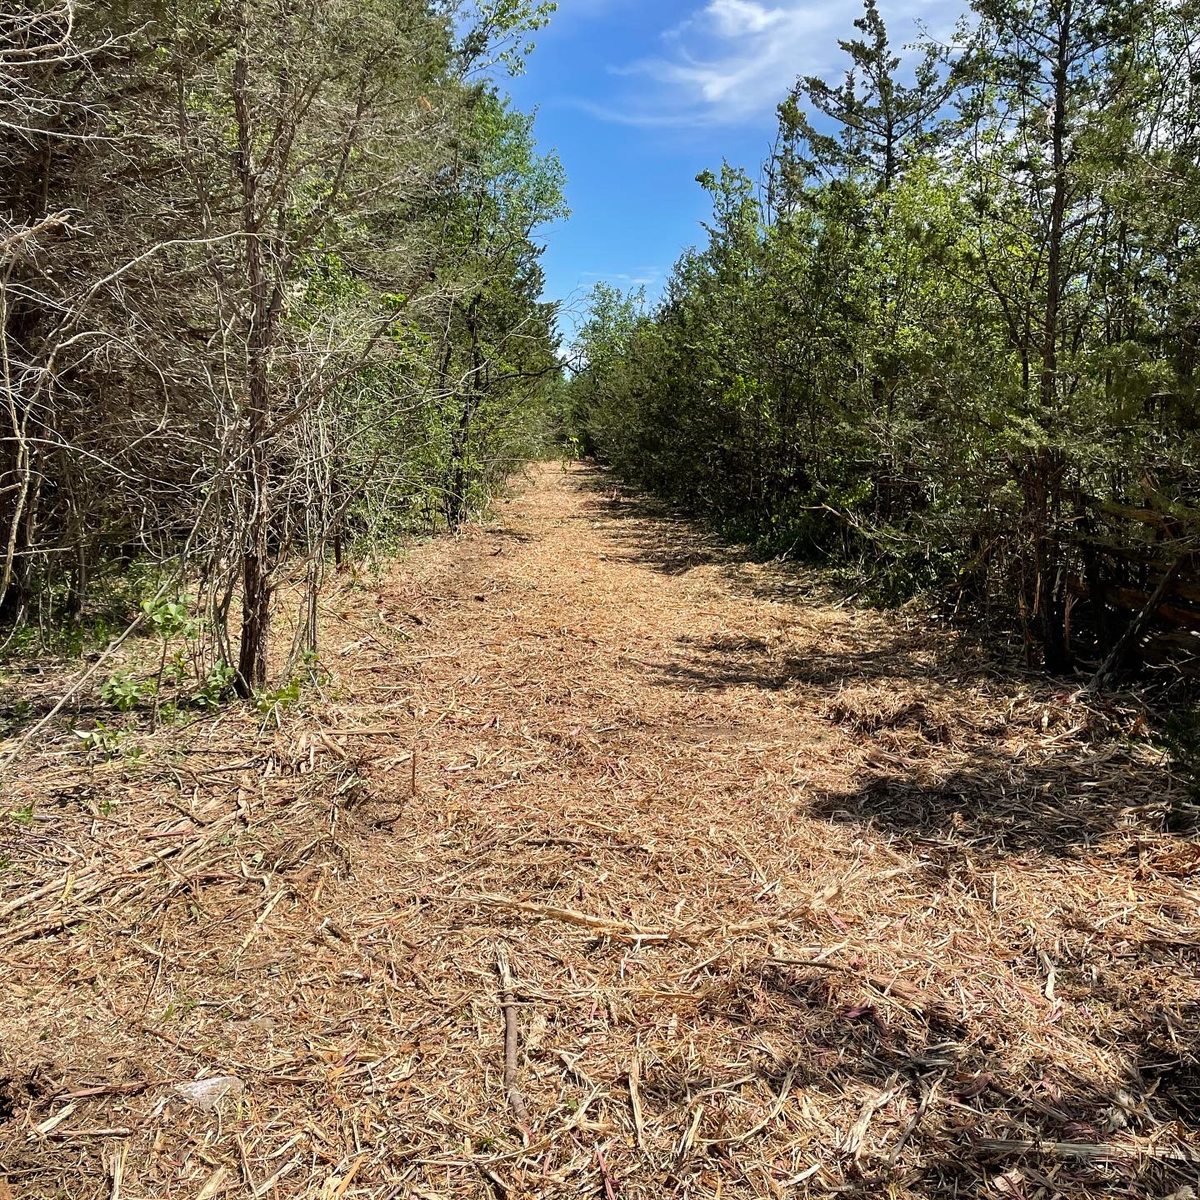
(958, 319)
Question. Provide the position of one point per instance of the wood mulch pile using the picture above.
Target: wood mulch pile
(604, 863)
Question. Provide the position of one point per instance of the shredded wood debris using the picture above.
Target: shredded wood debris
(605, 863)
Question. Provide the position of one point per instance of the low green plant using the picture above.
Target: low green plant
(22, 815)
(122, 692)
(19, 712)
(215, 686)
(169, 618)
(65, 639)
(284, 697)
(176, 672)
(101, 740)
(270, 699)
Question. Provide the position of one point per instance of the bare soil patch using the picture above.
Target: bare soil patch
(606, 863)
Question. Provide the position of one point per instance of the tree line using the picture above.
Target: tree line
(950, 331)
(269, 294)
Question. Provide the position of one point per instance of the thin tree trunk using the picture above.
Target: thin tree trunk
(1047, 464)
(256, 566)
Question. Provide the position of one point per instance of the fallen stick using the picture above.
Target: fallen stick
(907, 992)
(1106, 1151)
(269, 1184)
(568, 915)
(108, 877)
(35, 926)
(369, 731)
(214, 1187)
(340, 1190)
(70, 880)
(331, 745)
(111, 1089)
(117, 1131)
(631, 932)
(257, 926)
(116, 1166)
(852, 1143)
(509, 1004)
(926, 1097)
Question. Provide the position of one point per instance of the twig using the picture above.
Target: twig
(66, 1135)
(636, 1102)
(509, 1005)
(266, 912)
(853, 1142)
(268, 1184)
(610, 1188)
(217, 1183)
(116, 1166)
(348, 1178)
(631, 932)
(247, 1175)
(111, 1089)
(1095, 1151)
(776, 1109)
(915, 1120)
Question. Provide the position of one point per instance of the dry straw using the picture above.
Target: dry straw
(606, 864)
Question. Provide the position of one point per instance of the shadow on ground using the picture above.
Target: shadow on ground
(950, 1113)
(993, 805)
(650, 532)
(979, 756)
(963, 762)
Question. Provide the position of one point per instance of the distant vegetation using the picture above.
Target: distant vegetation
(268, 297)
(952, 335)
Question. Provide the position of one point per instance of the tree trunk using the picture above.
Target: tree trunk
(457, 481)
(256, 564)
(1048, 564)
(256, 572)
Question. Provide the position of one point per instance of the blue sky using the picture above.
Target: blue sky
(638, 96)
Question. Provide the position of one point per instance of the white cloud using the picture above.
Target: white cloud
(643, 278)
(735, 18)
(732, 61)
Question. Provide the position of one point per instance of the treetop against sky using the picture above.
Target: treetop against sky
(638, 96)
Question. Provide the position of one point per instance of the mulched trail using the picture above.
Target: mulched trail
(606, 862)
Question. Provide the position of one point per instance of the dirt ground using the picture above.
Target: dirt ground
(762, 895)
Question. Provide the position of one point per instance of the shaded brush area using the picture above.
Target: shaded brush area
(1179, 733)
